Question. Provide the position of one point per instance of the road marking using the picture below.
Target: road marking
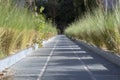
(108, 75)
(67, 48)
(85, 67)
(46, 64)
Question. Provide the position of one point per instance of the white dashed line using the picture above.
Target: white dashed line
(46, 64)
(85, 67)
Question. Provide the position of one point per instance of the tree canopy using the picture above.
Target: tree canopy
(64, 12)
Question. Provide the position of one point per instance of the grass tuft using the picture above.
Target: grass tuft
(102, 30)
(20, 29)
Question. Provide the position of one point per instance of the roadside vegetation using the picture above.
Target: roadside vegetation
(99, 28)
(20, 29)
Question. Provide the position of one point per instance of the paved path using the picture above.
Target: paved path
(62, 59)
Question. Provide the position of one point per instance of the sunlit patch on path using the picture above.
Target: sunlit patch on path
(62, 59)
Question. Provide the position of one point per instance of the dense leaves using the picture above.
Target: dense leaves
(20, 28)
(64, 12)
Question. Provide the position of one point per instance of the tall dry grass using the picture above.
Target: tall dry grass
(100, 29)
(20, 29)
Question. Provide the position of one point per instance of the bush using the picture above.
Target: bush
(19, 29)
(102, 30)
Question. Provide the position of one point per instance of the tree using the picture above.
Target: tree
(64, 12)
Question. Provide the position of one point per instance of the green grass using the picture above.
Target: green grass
(102, 30)
(20, 29)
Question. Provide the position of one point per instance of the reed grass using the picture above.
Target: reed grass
(100, 29)
(20, 29)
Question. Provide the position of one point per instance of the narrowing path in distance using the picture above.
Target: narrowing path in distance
(62, 59)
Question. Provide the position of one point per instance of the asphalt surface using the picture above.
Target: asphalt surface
(62, 59)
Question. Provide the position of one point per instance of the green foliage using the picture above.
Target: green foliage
(99, 29)
(63, 12)
(20, 29)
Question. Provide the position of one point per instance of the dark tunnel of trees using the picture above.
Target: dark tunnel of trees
(64, 12)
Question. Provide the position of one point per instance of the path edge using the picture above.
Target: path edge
(114, 58)
(11, 60)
